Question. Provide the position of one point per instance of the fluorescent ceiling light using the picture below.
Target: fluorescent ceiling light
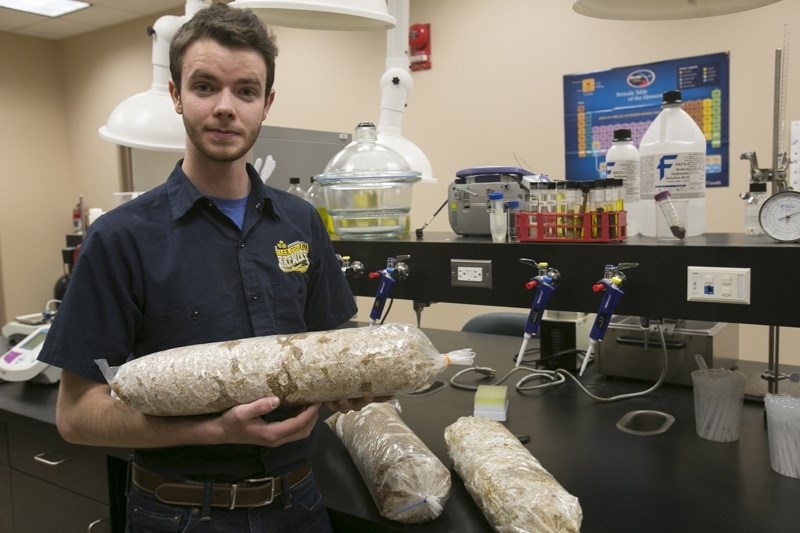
(663, 9)
(322, 14)
(48, 8)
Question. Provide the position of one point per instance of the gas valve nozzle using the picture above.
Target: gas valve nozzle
(544, 283)
(351, 269)
(396, 270)
(611, 287)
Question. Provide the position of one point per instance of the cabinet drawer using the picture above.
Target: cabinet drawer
(40, 506)
(37, 449)
(6, 514)
(3, 442)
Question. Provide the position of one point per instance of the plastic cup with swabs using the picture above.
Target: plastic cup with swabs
(544, 283)
(611, 285)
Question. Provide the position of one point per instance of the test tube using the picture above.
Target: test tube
(533, 207)
(586, 206)
(664, 201)
(513, 211)
(498, 223)
(573, 208)
(619, 204)
(551, 209)
(600, 205)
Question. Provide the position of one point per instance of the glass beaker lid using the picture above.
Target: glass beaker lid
(365, 157)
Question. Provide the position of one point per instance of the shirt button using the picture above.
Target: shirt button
(254, 296)
(195, 315)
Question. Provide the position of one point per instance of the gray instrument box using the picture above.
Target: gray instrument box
(468, 196)
(630, 351)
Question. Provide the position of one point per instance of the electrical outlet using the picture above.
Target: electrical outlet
(471, 273)
(718, 284)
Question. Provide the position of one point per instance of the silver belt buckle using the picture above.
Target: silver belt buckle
(271, 480)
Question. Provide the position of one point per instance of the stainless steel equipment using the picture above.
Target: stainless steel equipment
(632, 350)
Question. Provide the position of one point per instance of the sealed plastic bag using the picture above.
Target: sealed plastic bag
(514, 491)
(408, 483)
(299, 369)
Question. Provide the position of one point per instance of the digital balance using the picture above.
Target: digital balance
(20, 364)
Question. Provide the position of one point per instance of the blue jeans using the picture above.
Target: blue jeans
(307, 514)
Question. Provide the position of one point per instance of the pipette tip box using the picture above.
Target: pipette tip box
(491, 401)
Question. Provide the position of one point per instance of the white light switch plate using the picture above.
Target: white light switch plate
(718, 284)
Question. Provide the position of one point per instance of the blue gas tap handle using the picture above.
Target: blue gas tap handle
(545, 283)
(544, 290)
(384, 288)
(613, 292)
(395, 270)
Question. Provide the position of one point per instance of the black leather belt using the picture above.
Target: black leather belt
(254, 492)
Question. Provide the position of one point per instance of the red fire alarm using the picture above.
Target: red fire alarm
(419, 43)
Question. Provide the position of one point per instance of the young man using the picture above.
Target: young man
(197, 260)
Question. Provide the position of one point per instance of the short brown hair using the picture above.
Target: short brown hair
(230, 27)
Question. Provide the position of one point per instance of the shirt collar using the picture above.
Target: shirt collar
(183, 195)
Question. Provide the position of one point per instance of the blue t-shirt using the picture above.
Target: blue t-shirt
(170, 269)
(233, 208)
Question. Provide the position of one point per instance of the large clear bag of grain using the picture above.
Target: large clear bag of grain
(513, 490)
(408, 483)
(299, 369)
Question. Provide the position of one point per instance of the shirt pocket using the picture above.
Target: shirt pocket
(290, 306)
(209, 320)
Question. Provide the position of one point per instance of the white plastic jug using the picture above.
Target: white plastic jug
(622, 162)
(672, 156)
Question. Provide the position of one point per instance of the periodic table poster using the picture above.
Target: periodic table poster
(597, 103)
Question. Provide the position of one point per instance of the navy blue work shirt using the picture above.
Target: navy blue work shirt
(169, 269)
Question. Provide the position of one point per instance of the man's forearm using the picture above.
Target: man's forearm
(87, 414)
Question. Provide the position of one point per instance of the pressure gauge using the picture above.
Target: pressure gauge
(780, 216)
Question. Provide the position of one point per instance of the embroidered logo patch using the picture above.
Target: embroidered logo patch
(292, 257)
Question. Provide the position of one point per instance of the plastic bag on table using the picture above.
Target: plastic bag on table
(514, 491)
(408, 483)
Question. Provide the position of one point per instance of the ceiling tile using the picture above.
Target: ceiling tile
(10, 19)
(142, 7)
(55, 29)
(101, 14)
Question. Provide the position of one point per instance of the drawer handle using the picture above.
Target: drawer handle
(51, 458)
(96, 522)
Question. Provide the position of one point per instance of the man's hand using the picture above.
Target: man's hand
(243, 424)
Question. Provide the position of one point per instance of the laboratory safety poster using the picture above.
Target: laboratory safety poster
(597, 103)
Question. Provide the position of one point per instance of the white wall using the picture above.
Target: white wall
(495, 90)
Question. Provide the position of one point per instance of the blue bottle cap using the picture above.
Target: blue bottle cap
(495, 195)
